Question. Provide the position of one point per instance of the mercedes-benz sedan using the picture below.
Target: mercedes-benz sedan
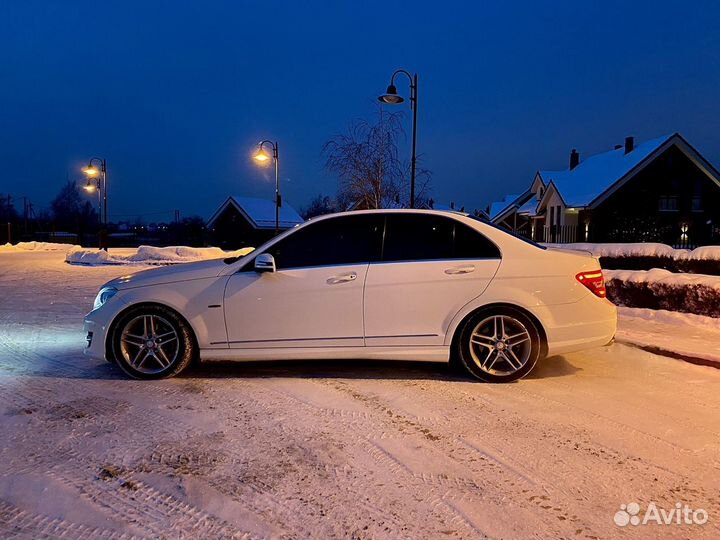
(382, 284)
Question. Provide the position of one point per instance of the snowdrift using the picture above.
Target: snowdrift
(35, 246)
(644, 249)
(660, 289)
(645, 256)
(149, 255)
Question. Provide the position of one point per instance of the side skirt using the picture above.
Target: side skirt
(438, 353)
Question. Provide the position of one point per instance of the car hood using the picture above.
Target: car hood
(170, 274)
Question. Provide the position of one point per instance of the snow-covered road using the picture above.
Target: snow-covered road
(335, 450)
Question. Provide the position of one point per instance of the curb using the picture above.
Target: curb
(672, 354)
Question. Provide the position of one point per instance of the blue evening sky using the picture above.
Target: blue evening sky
(175, 94)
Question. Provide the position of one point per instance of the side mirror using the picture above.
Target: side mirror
(265, 263)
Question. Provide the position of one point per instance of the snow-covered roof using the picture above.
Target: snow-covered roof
(529, 207)
(496, 208)
(260, 212)
(596, 174)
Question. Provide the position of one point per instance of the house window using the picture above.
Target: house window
(668, 203)
(696, 203)
(696, 200)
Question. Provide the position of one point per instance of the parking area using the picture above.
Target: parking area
(336, 449)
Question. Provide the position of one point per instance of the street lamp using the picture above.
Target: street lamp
(391, 97)
(100, 175)
(261, 156)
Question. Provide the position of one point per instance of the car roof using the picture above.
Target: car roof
(497, 234)
(392, 211)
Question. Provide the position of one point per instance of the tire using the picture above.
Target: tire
(152, 342)
(498, 345)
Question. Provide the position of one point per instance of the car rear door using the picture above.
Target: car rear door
(432, 265)
(314, 299)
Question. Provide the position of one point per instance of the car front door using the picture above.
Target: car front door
(431, 266)
(314, 298)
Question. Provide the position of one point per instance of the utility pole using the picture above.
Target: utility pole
(9, 226)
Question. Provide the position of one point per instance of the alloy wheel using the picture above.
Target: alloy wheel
(149, 344)
(500, 345)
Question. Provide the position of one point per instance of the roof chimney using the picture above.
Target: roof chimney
(574, 159)
(618, 146)
(629, 144)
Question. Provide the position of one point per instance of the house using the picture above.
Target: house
(661, 190)
(248, 221)
(517, 212)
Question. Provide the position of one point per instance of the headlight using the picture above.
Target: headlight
(105, 294)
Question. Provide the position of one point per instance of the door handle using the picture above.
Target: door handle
(460, 270)
(342, 278)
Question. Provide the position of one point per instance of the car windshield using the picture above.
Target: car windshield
(508, 231)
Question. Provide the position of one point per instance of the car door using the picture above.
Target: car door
(432, 265)
(314, 298)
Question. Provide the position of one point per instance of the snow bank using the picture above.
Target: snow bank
(149, 255)
(35, 246)
(692, 336)
(644, 249)
(665, 277)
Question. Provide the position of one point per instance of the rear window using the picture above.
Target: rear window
(508, 231)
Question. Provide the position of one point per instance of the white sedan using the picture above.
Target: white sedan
(382, 284)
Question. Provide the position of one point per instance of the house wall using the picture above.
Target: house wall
(554, 217)
(232, 231)
(670, 201)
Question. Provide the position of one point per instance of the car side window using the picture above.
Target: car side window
(418, 237)
(412, 237)
(335, 241)
(472, 244)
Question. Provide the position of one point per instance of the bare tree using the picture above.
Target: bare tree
(371, 174)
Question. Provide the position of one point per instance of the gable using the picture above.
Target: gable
(551, 197)
(681, 144)
(594, 176)
(259, 213)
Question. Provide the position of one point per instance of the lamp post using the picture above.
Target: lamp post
(100, 175)
(261, 156)
(94, 186)
(391, 97)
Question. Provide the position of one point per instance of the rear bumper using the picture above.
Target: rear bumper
(589, 323)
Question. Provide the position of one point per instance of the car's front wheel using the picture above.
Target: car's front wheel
(152, 342)
(499, 344)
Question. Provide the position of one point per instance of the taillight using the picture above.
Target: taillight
(594, 281)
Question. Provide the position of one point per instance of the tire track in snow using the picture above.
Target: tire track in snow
(19, 524)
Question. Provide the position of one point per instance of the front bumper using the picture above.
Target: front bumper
(95, 337)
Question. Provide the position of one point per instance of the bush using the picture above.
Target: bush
(694, 298)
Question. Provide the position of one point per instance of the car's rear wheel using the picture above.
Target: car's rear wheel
(499, 344)
(152, 342)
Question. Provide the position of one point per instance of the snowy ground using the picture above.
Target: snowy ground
(336, 450)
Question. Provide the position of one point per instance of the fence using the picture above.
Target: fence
(560, 234)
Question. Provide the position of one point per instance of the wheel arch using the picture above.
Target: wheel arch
(113, 324)
(494, 305)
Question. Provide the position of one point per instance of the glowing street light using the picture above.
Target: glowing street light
(261, 156)
(100, 175)
(391, 97)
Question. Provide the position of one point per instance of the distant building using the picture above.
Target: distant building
(247, 221)
(661, 190)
